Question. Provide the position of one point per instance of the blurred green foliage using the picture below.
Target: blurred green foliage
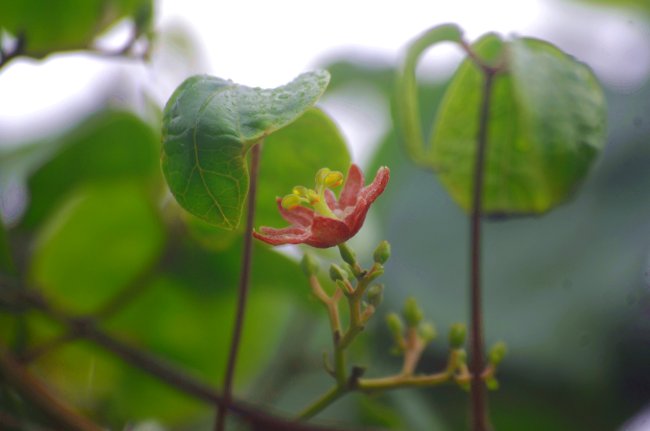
(99, 232)
(64, 25)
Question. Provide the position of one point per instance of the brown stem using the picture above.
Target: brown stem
(480, 416)
(243, 289)
(166, 373)
(33, 390)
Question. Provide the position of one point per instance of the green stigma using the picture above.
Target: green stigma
(325, 179)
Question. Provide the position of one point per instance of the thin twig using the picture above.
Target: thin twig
(150, 364)
(244, 281)
(33, 390)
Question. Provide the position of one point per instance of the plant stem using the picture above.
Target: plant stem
(154, 366)
(244, 282)
(33, 390)
(320, 404)
(479, 409)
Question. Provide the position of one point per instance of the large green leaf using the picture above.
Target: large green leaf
(67, 24)
(547, 124)
(109, 146)
(100, 239)
(208, 126)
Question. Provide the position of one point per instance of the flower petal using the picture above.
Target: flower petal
(328, 232)
(330, 199)
(299, 216)
(374, 189)
(287, 235)
(352, 186)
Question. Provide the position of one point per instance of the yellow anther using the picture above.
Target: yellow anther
(300, 191)
(333, 179)
(290, 201)
(321, 175)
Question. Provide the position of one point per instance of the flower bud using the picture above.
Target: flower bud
(492, 383)
(337, 273)
(347, 254)
(427, 332)
(457, 334)
(375, 294)
(382, 252)
(497, 353)
(309, 265)
(395, 324)
(412, 312)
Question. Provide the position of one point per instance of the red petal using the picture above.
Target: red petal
(330, 199)
(299, 216)
(352, 186)
(355, 219)
(287, 235)
(328, 232)
(374, 189)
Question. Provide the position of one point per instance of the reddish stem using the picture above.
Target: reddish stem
(244, 281)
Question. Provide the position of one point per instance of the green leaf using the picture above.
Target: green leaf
(70, 24)
(292, 156)
(208, 126)
(99, 240)
(109, 146)
(547, 124)
(408, 109)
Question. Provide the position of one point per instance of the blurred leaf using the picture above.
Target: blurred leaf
(408, 110)
(107, 147)
(68, 24)
(98, 241)
(546, 127)
(6, 262)
(208, 126)
(190, 324)
(292, 156)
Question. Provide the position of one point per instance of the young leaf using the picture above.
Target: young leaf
(546, 125)
(208, 126)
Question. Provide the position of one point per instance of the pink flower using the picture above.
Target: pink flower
(331, 224)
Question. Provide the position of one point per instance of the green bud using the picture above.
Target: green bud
(382, 252)
(412, 312)
(337, 273)
(492, 384)
(375, 294)
(427, 332)
(395, 324)
(309, 265)
(457, 334)
(347, 254)
(497, 353)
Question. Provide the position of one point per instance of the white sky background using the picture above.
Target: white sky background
(263, 43)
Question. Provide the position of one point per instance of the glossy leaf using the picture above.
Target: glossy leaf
(208, 126)
(68, 25)
(109, 146)
(547, 124)
(101, 239)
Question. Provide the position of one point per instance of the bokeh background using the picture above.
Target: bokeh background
(88, 217)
